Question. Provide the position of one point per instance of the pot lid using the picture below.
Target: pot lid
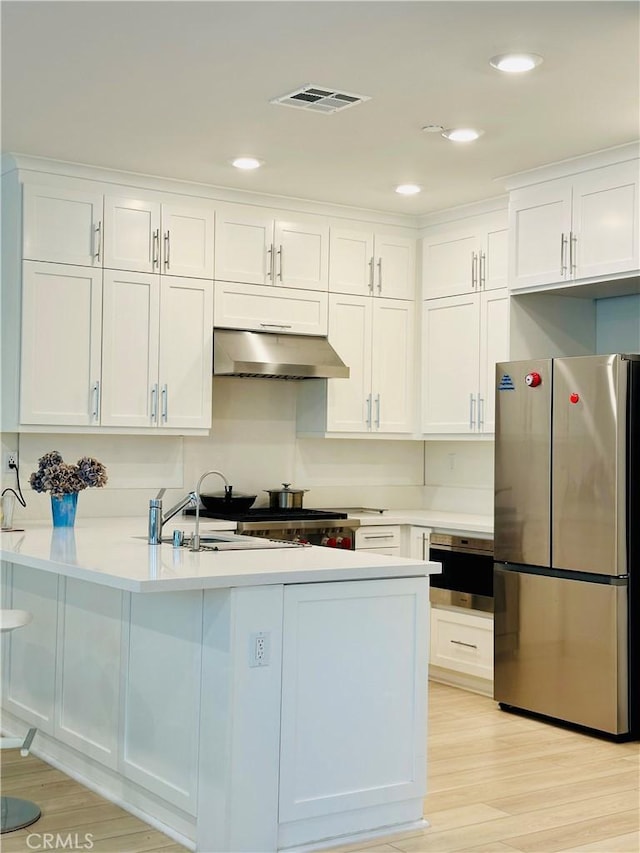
(286, 488)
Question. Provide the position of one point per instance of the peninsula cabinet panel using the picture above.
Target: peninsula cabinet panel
(61, 344)
(379, 736)
(62, 226)
(260, 246)
(88, 667)
(573, 228)
(29, 659)
(367, 263)
(159, 724)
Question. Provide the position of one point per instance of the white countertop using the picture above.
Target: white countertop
(444, 522)
(114, 552)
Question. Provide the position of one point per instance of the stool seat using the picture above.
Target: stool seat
(12, 619)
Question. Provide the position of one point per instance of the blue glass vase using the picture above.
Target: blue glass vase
(63, 509)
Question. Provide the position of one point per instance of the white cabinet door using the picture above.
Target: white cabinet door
(351, 261)
(494, 347)
(187, 240)
(416, 542)
(395, 273)
(539, 227)
(270, 309)
(349, 400)
(462, 642)
(449, 260)
(132, 234)
(379, 735)
(494, 268)
(605, 226)
(62, 226)
(186, 352)
(392, 365)
(61, 344)
(244, 244)
(450, 335)
(301, 249)
(131, 317)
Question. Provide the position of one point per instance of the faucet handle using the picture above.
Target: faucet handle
(160, 494)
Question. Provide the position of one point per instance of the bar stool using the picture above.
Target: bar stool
(14, 812)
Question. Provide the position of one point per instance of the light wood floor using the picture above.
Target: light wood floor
(498, 783)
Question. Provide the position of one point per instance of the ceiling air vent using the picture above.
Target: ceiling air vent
(320, 99)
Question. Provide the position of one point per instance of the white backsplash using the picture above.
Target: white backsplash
(253, 442)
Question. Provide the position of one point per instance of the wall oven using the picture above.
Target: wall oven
(467, 571)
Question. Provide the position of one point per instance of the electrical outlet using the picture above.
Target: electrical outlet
(10, 461)
(259, 649)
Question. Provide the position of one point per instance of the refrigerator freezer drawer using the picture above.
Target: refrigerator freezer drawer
(561, 648)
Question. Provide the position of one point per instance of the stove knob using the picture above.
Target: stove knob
(346, 542)
(331, 542)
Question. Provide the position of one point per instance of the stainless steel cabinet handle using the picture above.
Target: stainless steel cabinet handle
(165, 403)
(563, 252)
(98, 241)
(368, 536)
(573, 240)
(483, 269)
(155, 259)
(154, 403)
(379, 275)
(480, 412)
(474, 270)
(377, 411)
(425, 541)
(95, 409)
(460, 643)
(369, 411)
(280, 265)
(472, 411)
(270, 265)
(371, 274)
(167, 250)
(275, 326)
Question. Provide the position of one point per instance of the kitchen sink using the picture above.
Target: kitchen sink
(231, 542)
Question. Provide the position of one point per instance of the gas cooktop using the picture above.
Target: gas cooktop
(266, 514)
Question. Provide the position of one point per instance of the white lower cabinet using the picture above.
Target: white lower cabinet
(268, 309)
(415, 542)
(379, 539)
(462, 647)
(462, 339)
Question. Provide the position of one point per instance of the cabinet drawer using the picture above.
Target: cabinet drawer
(378, 537)
(268, 309)
(462, 642)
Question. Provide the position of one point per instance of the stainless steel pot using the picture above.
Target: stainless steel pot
(286, 497)
(227, 501)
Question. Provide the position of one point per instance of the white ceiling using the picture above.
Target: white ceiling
(177, 89)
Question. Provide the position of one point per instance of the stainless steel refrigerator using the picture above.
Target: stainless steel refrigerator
(567, 540)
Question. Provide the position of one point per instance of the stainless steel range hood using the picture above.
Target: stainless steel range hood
(275, 356)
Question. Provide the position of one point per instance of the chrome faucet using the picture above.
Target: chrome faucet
(157, 520)
(195, 539)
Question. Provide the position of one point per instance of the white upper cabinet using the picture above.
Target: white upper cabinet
(61, 345)
(465, 256)
(63, 226)
(256, 245)
(578, 227)
(262, 308)
(150, 236)
(375, 338)
(462, 338)
(367, 263)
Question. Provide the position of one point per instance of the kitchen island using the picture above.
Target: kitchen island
(238, 700)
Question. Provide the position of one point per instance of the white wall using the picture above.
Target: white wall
(618, 324)
(459, 476)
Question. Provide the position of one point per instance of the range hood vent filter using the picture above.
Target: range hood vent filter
(263, 355)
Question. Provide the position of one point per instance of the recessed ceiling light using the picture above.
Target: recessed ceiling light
(515, 63)
(408, 189)
(462, 134)
(246, 163)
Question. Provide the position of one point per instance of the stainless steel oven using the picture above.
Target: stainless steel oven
(467, 571)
